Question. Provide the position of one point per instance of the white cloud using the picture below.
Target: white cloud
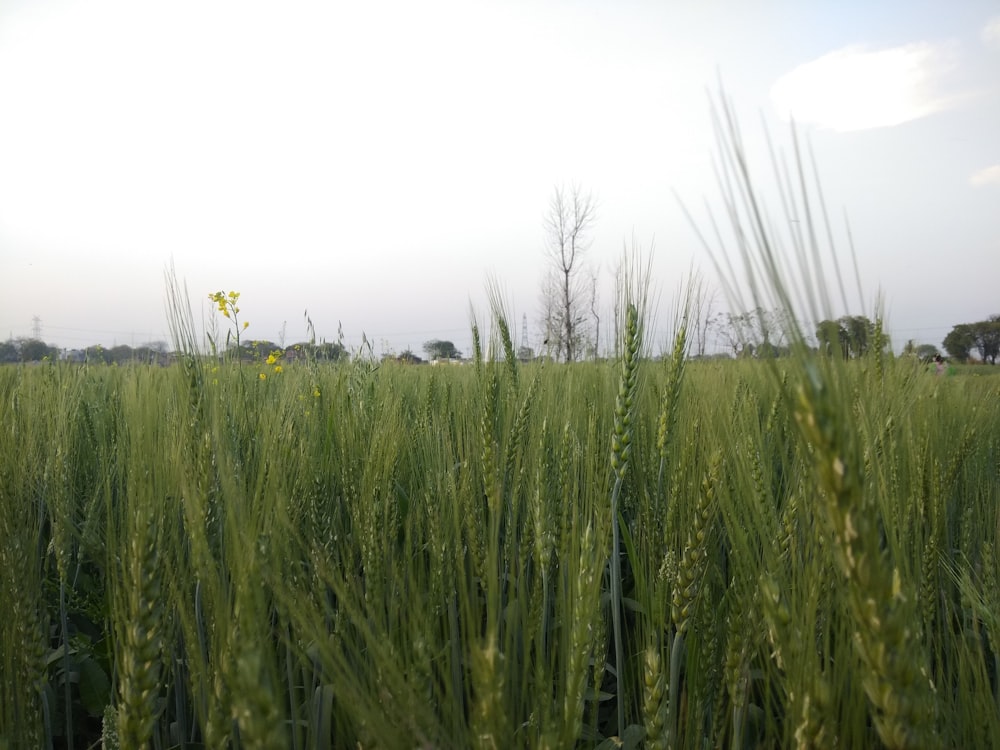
(858, 89)
(991, 31)
(988, 176)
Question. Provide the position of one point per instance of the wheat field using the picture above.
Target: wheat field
(795, 552)
(800, 553)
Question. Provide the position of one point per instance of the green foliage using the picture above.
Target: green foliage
(851, 336)
(959, 342)
(33, 350)
(986, 337)
(437, 349)
(326, 351)
(983, 337)
(404, 358)
(926, 352)
(9, 352)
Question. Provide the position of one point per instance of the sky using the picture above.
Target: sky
(377, 164)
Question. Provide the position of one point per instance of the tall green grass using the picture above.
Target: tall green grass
(423, 556)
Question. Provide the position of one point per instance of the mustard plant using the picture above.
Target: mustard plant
(228, 305)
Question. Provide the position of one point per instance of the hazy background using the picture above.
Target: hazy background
(375, 162)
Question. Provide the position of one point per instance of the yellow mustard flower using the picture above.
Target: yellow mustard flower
(277, 368)
(263, 376)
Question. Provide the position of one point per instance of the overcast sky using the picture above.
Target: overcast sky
(375, 163)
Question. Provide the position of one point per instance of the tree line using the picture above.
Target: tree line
(14, 351)
(571, 323)
(569, 303)
(982, 337)
(36, 350)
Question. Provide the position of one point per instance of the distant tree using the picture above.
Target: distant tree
(551, 316)
(437, 349)
(568, 223)
(756, 333)
(256, 349)
(9, 352)
(701, 317)
(852, 336)
(96, 353)
(329, 351)
(727, 334)
(732, 333)
(33, 350)
(858, 332)
(959, 342)
(120, 354)
(926, 352)
(325, 351)
(409, 358)
(832, 338)
(986, 338)
(160, 347)
(594, 313)
(145, 354)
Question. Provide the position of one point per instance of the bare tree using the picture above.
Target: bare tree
(702, 305)
(551, 317)
(616, 310)
(756, 333)
(567, 227)
(594, 313)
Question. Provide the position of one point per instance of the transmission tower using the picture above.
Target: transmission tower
(36, 328)
(524, 329)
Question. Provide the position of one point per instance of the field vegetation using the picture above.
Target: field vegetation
(794, 552)
(679, 554)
